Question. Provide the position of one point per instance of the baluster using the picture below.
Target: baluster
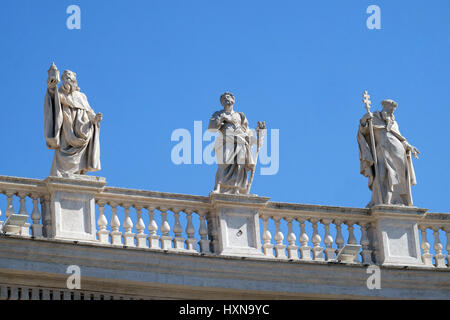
(374, 243)
(36, 228)
(128, 236)
(447, 230)
(25, 229)
(165, 229)
(153, 238)
(280, 248)
(351, 234)
(115, 235)
(427, 258)
(305, 250)
(9, 209)
(328, 240)
(141, 237)
(439, 257)
(178, 240)
(23, 209)
(291, 238)
(213, 223)
(351, 237)
(339, 238)
(102, 233)
(316, 239)
(46, 216)
(191, 242)
(366, 252)
(267, 237)
(203, 231)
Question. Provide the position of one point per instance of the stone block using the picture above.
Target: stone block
(72, 206)
(238, 223)
(398, 237)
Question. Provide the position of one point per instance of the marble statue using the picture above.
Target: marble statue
(385, 156)
(233, 148)
(71, 126)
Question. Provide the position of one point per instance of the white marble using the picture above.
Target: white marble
(386, 156)
(71, 126)
(236, 164)
(397, 235)
(238, 226)
(72, 206)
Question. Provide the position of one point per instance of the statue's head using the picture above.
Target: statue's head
(389, 105)
(69, 79)
(227, 99)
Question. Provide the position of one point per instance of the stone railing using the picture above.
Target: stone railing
(437, 224)
(86, 210)
(155, 232)
(324, 245)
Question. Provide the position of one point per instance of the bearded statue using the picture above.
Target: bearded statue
(71, 126)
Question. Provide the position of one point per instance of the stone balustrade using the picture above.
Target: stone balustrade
(154, 231)
(315, 245)
(438, 227)
(246, 226)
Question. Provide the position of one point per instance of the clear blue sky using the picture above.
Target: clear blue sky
(154, 66)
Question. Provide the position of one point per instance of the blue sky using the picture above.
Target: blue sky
(154, 66)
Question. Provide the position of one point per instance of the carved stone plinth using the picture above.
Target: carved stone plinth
(72, 206)
(397, 235)
(237, 223)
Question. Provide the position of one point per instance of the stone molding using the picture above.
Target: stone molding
(154, 274)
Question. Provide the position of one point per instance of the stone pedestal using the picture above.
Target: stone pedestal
(236, 230)
(72, 206)
(396, 235)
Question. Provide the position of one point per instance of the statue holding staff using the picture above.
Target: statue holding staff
(233, 148)
(71, 126)
(385, 156)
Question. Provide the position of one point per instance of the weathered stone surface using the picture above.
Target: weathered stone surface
(397, 235)
(238, 226)
(72, 206)
(385, 156)
(71, 127)
(233, 148)
(149, 273)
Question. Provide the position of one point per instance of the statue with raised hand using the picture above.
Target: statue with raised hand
(71, 127)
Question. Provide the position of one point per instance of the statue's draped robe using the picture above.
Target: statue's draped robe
(233, 152)
(395, 168)
(70, 130)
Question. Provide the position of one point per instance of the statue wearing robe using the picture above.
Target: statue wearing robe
(71, 127)
(232, 148)
(393, 153)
